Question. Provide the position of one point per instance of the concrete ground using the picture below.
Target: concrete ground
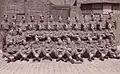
(109, 66)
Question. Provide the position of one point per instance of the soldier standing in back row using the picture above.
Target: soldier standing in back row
(42, 24)
(111, 23)
(60, 24)
(78, 23)
(51, 24)
(68, 24)
(92, 23)
(5, 23)
(23, 24)
(100, 23)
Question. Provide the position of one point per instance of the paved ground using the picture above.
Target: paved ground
(109, 66)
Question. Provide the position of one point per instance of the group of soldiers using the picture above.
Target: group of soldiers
(66, 41)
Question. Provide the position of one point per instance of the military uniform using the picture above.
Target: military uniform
(60, 24)
(111, 22)
(36, 50)
(11, 52)
(90, 47)
(52, 25)
(9, 39)
(68, 24)
(79, 50)
(102, 48)
(5, 24)
(25, 50)
(47, 50)
(78, 24)
(23, 26)
(92, 25)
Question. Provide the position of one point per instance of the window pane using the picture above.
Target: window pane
(86, 7)
(107, 8)
(97, 6)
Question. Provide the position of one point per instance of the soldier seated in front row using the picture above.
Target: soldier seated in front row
(47, 50)
(36, 49)
(90, 47)
(79, 50)
(10, 51)
(25, 50)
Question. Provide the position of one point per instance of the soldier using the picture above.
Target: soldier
(5, 23)
(90, 47)
(30, 35)
(8, 38)
(23, 24)
(102, 47)
(79, 50)
(47, 50)
(60, 52)
(32, 23)
(20, 37)
(13, 31)
(111, 45)
(78, 23)
(68, 24)
(36, 49)
(51, 24)
(69, 50)
(25, 50)
(60, 24)
(11, 52)
(14, 21)
(5, 28)
(99, 24)
(92, 23)
(110, 53)
(41, 23)
(111, 23)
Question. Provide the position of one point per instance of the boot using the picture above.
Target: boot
(57, 60)
(101, 58)
(89, 59)
(72, 61)
(9, 60)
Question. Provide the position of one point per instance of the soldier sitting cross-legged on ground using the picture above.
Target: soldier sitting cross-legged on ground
(36, 49)
(25, 50)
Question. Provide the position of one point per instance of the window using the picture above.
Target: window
(107, 8)
(97, 8)
(86, 8)
(116, 8)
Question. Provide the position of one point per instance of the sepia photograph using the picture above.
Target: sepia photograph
(59, 36)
